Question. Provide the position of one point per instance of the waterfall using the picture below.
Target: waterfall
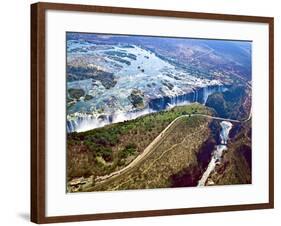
(199, 95)
(194, 95)
(217, 154)
(82, 122)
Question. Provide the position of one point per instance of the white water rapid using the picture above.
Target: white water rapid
(217, 154)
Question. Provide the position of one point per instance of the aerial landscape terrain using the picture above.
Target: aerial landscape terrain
(149, 112)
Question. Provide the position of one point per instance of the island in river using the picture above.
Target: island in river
(156, 112)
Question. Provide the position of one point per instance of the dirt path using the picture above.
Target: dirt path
(146, 151)
(157, 140)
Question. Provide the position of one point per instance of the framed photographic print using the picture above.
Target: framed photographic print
(140, 112)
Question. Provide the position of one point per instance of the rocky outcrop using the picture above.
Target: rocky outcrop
(89, 121)
(136, 98)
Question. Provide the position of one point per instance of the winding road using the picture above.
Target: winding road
(146, 151)
(157, 141)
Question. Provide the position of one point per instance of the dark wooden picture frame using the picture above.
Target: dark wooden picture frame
(38, 117)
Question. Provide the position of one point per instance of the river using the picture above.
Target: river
(217, 154)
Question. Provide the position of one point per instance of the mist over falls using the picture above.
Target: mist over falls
(113, 78)
(155, 112)
(84, 122)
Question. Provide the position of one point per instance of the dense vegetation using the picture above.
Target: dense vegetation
(190, 175)
(236, 166)
(136, 98)
(230, 104)
(76, 93)
(177, 149)
(75, 73)
(103, 150)
(88, 97)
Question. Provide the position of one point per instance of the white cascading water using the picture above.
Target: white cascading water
(217, 154)
(87, 122)
(80, 122)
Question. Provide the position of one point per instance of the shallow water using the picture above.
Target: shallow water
(153, 76)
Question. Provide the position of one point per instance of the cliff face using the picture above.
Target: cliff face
(128, 95)
(104, 150)
(236, 166)
(189, 176)
(234, 103)
(199, 95)
(137, 99)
